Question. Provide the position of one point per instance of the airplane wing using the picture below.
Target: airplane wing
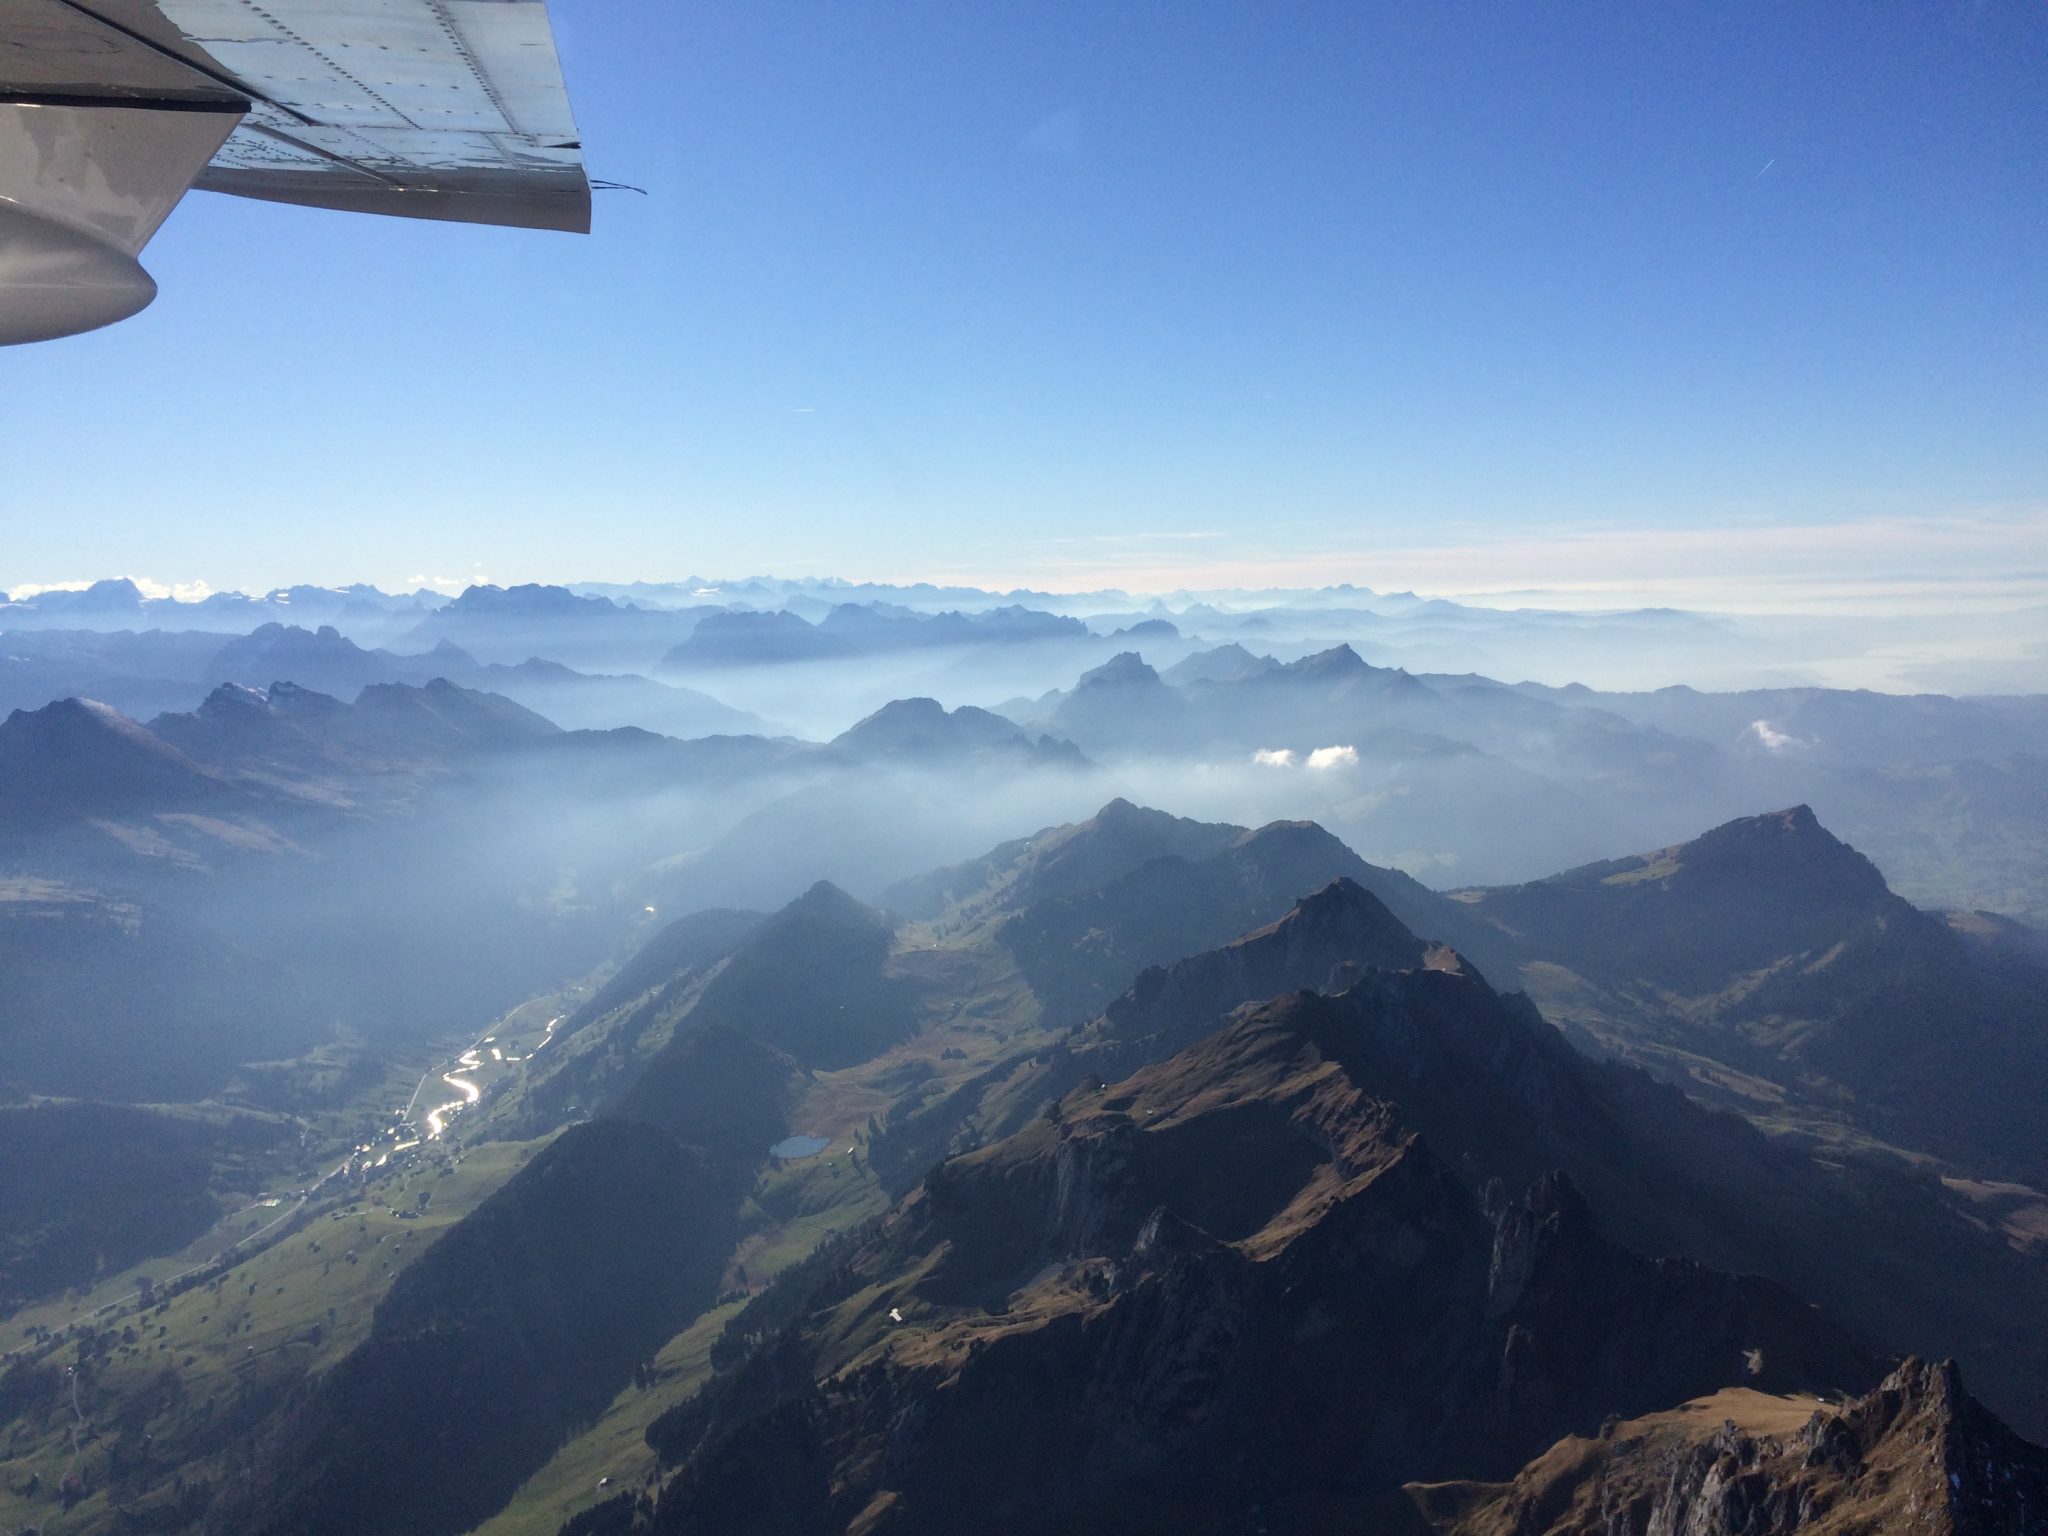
(443, 109)
(111, 109)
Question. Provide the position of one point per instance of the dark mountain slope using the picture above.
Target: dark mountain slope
(821, 982)
(924, 731)
(586, 701)
(1079, 949)
(521, 1323)
(719, 1089)
(1501, 1095)
(239, 731)
(1321, 944)
(601, 1048)
(1224, 664)
(77, 758)
(1059, 861)
(1096, 1329)
(237, 727)
(442, 711)
(681, 950)
(813, 981)
(1083, 861)
(89, 1189)
(324, 660)
(1734, 900)
(1769, 945)
(117, 1001)
(1123, 704)
(509, 624)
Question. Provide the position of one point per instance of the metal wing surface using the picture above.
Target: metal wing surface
(439, 109)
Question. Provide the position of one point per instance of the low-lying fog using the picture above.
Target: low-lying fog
(450, 853)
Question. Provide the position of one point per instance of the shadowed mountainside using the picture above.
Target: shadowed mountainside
(89, 1189)
(1095, 1327)
(519, 1325)
(1774, 948)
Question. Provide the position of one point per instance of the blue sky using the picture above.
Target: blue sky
(1629, 301)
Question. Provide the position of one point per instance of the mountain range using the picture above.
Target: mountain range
(1302, 1221)
(817, 1153)
(1451, 774)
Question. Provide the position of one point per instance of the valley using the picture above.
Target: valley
(600, 1132)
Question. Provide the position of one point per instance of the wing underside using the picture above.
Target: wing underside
(443, 109)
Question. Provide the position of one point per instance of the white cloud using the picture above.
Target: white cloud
(1325, 758)
(149, 587)
(182, 591)
(1274, 757)
(1774, 740)
(29, 589)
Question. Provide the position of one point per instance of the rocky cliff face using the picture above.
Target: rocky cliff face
(1328, 940)
(1916, 1455)
(1235, 1286)
(1499, 1095)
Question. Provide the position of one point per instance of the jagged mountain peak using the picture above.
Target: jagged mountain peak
(1771, 847)
(919, 709)
(813, 980)
(1145, 831)
(1344, 671)
(466, 712)
(1916, 1453)
(1226, 663)
(923, 726)
(825, 902)
(231, 720)
(277, 628)
(1337, 661)
(1345, 911)
(80, 757)
(1123, 813)
(1327, 942)
(323, 658)
(1124, 668)
(234, 701)
(70, 714)
(527, 598)
(1084, 1317)
(1787, 842)
(297, 699)
(1275, 836)
(84, 735)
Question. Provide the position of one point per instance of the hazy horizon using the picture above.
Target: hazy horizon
(1615, 308)
(1902, 636)
(1876, 567)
